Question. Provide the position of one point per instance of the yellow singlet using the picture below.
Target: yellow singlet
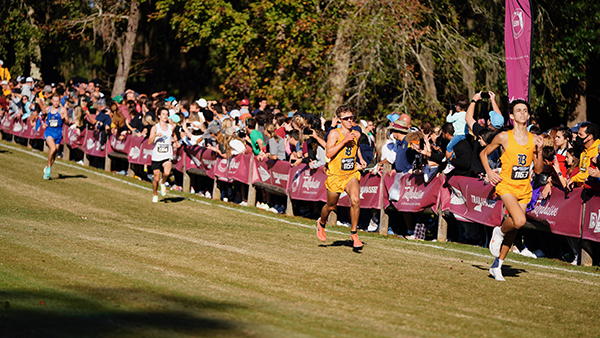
(342, 167)
(516, 165)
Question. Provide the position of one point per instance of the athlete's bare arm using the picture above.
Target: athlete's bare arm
(332, 149)
(501, 140)
(153, 135)
(539, 160)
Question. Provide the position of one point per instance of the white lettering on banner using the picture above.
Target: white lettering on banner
(280, 177)
(72, 135)
(234, 165)
(120, 146)
(595, 221)
(208, 163)
(482, 202)
(412, 193)
(295, 182)
(222, 165)
(264, 174)
(146, 153)
(518, 24)
(368, 190)
(134, 152)
(544, 210)
(310, 183)
(90, 144)
(17, 127)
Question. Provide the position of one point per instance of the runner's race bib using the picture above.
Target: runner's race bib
(53, 123)
(348, 164)
(162, 148)
(519, 173)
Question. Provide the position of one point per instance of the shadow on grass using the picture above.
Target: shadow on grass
(173, 199)
(5, 151)
(62, 177)
(507, 270)
(348, 243)
(112, 313)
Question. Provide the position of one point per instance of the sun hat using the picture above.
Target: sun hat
(399, 126)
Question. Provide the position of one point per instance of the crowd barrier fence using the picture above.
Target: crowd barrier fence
(468, 199)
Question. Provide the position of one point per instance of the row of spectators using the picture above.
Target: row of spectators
(230, 128)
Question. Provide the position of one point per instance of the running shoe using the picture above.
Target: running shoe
(357, 243)
(155, 199)
(496, 271)
(47, 173)
(321, 231)
(163, 189)
(496, 242)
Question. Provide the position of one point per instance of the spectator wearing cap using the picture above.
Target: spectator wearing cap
(195, 112)
(102, 120)
(397, 132)
(213, 127)
(4, 73)
(27, 89)
(262, 105)
(392, 117)
(170, 102)
(245, 104)
(5, 88)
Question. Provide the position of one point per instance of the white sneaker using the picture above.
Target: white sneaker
(497, 274)
(273, 210)
(525, 252)
(372, 226)
(496, 242)
(448, 169)
(80, 162)
(244, 203)
(207, 195)
(154, 199)
(574, 262)
(163, 189)
(225, 199)
(192, 191)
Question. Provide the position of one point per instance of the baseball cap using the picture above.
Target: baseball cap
(1, 62)
(496, 119)
(214, 129)
(202, 103)
(393, 117)
(29, 79)
(245, 102)
(235, 113)
(244, 116)
(196, 125)
(4, 82)
(169, 99)
(118, 99)
(175, 118)
(230, 130)
(101, 102)
(47, 89)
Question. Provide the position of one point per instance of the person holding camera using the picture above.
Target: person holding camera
(343, 173)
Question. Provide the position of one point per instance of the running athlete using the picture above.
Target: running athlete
(342, 173)
(54, 130)
(161, 136)
(513, 184)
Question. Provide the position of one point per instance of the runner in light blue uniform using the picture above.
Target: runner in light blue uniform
(54, 131)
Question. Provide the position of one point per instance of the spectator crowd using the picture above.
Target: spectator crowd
(275, 133)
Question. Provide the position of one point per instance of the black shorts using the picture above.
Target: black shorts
(158, 165)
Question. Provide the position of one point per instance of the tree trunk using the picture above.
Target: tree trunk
(341, 67)
(126, 49)
(468, 72)
(427, 65)
(580, 113)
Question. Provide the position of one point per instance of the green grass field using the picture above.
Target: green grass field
(87, 254)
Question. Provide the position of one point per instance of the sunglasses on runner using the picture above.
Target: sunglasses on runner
(347, 118)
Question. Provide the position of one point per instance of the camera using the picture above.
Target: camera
(485, 95)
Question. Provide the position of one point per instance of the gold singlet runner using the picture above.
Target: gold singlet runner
(342, 167)
(516, 165)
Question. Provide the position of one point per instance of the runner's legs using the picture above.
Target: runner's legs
(332, 199)
(353, 191)
(52, 148)
(166, 171)
(155, 181)
(516, 220)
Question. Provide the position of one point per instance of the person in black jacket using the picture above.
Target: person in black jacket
(462, 150)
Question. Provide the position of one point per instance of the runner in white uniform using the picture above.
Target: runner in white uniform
(162, 154)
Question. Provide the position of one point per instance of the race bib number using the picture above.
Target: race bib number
(348, 164)
(53, 123)
(519, 173)
(163, 148)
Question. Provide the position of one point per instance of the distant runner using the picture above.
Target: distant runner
(161, 136)
(53, 134)
(513, 184)
(342, 173)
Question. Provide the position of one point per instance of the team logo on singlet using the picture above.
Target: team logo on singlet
(520, 171)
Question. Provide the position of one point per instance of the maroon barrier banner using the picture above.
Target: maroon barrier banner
(415, 195)
(271, 172)
(369, 193)
(92, 144)
(7, 123)
(473, 200)
(17, 128)
(307, 184)
(73, 137)
(140, 152)
(178, 159)
(562, 213)
(38, 134)
(517, 41)
(591, 222)
(119, 146)
(235, 168)
(201, 158)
